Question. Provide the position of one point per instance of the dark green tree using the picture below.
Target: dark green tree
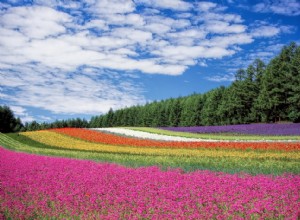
(212, 101)
(175, 112)
(278, 86)
(8, 121)
(294, 92)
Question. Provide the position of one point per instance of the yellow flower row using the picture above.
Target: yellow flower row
(66, 142)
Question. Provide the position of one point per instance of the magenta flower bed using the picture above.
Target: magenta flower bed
(41, 187)
(255, 129)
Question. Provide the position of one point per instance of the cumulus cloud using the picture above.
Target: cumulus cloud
(265, 31)
(206, 6)
(166, 4)
(283, 7)
(222, 27)
(43, 21)
(73, 57)
(112, 6)
(116, 37)
(91, 92)
(221, 78)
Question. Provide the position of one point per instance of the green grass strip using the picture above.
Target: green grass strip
(229, 165)
(223, 136)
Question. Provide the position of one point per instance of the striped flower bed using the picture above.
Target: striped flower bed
(255, 158)
(161, 179)
(114, 139)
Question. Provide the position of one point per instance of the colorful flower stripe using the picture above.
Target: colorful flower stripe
(214, 136)
(257, 129)
(39, 187)
(253, 166)
(146, 135)
(105, 138)
(63, 141)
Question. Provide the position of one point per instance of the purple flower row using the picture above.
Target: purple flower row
(255, 129)
(43, 187)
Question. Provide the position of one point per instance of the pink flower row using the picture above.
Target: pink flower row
(42, 187)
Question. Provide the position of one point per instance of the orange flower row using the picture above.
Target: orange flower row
(112, 139)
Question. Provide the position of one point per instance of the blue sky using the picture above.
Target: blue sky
(63, 59)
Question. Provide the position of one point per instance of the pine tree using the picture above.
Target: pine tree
(8, 122)
(294, 96)
(175, 112)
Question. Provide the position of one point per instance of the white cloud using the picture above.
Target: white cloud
(167, 4)
(188, 55)
(18, 110)
(221, 78)
(157, 28)
(97, 23)
(217, 16)
(202, 63)
(187, 37)
(222, 27)
(284, 7)
(112, 6)
(184, 15)
(73, 93)
(174, 24)
(22, 113)
(265, 31)
(59, 3)
(137, 36)
(67, 45)
(133, 19)
(229, 40)
(150, 11)
(43, 21)
(206, 6)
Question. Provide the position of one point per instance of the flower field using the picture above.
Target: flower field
(127, 174)
(43, 187)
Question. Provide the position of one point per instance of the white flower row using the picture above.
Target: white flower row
(146, 135)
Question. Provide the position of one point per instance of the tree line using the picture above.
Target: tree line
(9, 123)
(260, 93)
